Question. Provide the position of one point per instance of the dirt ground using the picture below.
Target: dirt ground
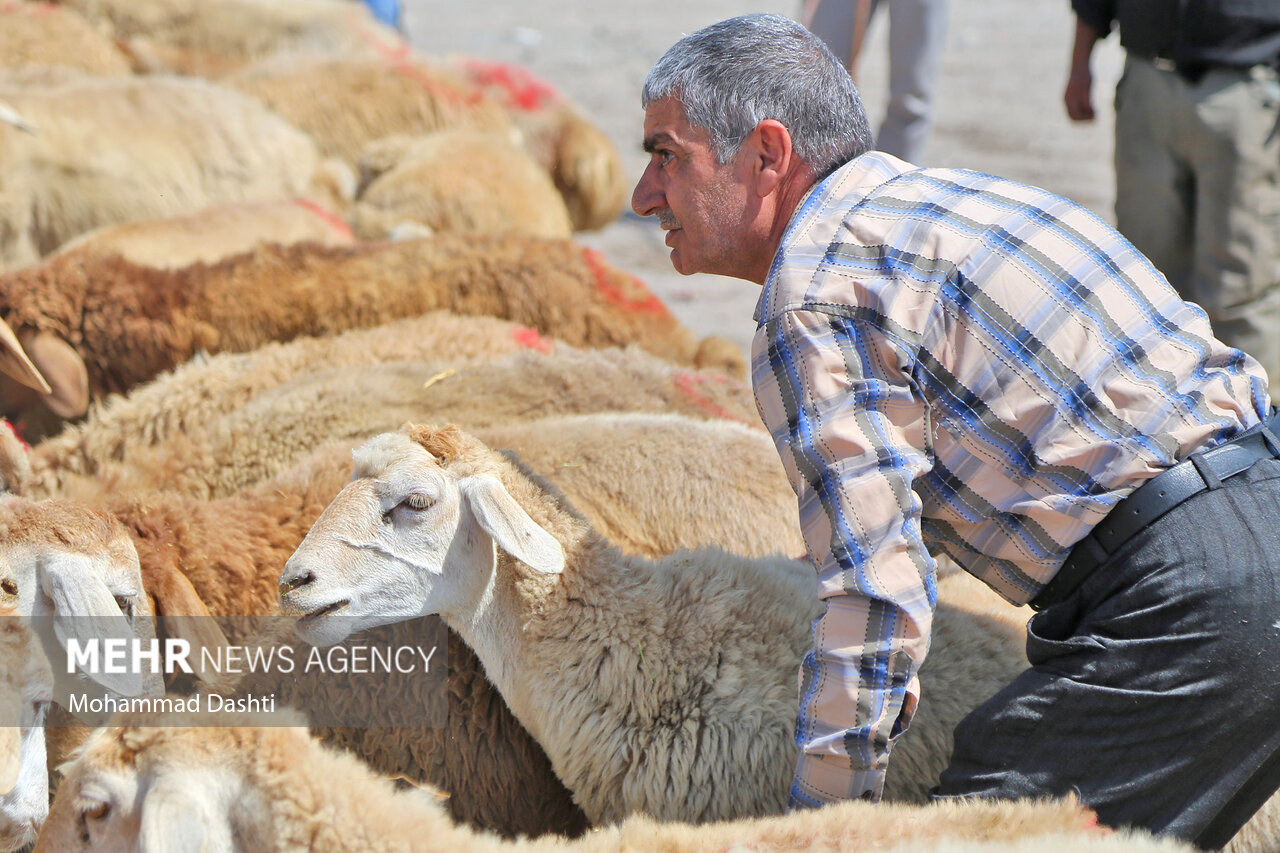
(999, 105)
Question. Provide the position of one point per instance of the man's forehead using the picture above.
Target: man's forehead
(665, 121)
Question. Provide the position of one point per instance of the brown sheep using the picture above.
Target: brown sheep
(126, 324)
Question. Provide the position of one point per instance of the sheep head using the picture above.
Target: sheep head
(151, 784)
(26, 689)
(413, 534)
(78, 576)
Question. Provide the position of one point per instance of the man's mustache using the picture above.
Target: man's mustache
(667, 219)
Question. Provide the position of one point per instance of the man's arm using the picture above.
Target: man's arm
(1079, 94)
(848, 425)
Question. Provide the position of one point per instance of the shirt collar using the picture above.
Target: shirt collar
(843, 188)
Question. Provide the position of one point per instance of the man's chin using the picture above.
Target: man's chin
(678, 263)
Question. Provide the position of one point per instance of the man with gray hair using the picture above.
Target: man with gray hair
(953, 362)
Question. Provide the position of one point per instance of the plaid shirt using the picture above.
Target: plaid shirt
(954, 362)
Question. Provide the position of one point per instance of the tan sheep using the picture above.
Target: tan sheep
(213, 233)
(253, 439)
(206, 39)
(583, 162)
(257, 784)
(345, 103)
(46, 34)
(121, 148)
(126, 324)
(194, 394)
(455, 180)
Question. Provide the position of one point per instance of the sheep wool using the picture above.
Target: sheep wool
(129, 323)
(47, 34)
(263, 782)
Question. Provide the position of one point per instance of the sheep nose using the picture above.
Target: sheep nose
(295, 579)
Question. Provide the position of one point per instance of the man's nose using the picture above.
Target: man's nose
(647, 197)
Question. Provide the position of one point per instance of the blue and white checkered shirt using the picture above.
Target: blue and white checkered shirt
(954, 362)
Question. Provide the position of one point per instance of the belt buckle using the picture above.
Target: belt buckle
(1164, 63)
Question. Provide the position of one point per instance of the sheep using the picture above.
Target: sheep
(637, 678)
(259, 784)
(193, 394)
(213, 233)
(455, 180)
(208, 39)
(26, 689)
(120, 148)
(583, 162)
(232, 550)
(346, 103)
(259, 437)
(673, 645)
(45, 34)
(123, 324)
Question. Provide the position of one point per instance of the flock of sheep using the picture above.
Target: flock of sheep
(249, 247)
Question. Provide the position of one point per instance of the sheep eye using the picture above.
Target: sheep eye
(9, 587)
(419, 501)
(125, 603)
(97, 811)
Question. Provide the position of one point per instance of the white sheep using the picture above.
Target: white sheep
(256, 784)
(121, 148)
(26, 689)
(640, 679)
(664, 687)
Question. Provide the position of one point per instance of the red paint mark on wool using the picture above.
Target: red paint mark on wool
(32, 9)
(399, 57)
(531, 339)
(691, 384)
(645, 303)
(333, 220)
(17, 430)
(525, 90)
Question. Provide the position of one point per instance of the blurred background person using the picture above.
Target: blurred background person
(917, 31)
(1197, 151)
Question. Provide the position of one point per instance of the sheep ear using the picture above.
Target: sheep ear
(83, 608)
(15, 362)
(510, 526)
(65, 370)
(183, 614)
(177, 817)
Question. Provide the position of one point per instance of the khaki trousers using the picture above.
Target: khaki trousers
(1198, 193)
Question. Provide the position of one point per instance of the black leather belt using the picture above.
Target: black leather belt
(1202, 470)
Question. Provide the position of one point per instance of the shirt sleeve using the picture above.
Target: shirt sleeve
(1098, 14)
(849, 425)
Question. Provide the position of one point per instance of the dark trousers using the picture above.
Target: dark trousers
(1154, 690)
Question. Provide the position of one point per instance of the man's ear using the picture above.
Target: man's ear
(773, 157)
